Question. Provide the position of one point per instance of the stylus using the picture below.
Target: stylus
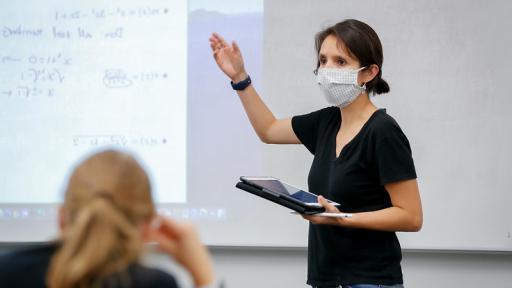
(328, 214)
(336, 215)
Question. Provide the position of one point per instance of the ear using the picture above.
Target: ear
(62, 217)
(368, 74)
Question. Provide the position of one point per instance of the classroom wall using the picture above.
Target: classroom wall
(286, 268)
(281, 268)
(252, 268)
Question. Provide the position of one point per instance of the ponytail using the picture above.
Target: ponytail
(381, 86)
(100, 242)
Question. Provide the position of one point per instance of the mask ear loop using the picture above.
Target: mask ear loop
(363, 86)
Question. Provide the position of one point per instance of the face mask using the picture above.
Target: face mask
(340, 86)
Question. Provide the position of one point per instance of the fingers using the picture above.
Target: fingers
(213, 45)
(315, 219)
(165, 243)
(217, 42)
(216, 46)
(215, 35)
(170, 234)
(166, 226)
(328, 206)
(236, 49)
(220, 39)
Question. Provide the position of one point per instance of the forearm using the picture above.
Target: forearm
(389, 219)
(259, 115)
(203, 275)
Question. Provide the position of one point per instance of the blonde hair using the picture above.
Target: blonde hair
(107, 197)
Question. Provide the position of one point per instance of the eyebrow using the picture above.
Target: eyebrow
(321, 55)
(338, 55)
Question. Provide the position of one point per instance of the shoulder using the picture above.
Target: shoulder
(316, 118)
(152, 277)
(321, 113)
(27, 256)
(32, 262)
(327, 112)
(384, 125)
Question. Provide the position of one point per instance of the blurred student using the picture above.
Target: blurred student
(107, 215)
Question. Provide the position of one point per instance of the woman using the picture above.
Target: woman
(362, 159)
(107, 215)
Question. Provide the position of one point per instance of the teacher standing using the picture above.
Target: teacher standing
(362, 159)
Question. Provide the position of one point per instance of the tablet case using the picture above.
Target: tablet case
(278, 200)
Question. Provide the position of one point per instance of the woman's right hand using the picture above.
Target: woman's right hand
(228, 58)
(181, 241)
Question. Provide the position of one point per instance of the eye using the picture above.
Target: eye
(341, 61)
(322, 60)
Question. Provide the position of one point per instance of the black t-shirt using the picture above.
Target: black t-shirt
(377, 155)
(28, 267)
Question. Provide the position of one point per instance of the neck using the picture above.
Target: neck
(359, 110)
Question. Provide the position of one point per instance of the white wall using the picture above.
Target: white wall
(281, 268)
(447, 63)
(286, 268)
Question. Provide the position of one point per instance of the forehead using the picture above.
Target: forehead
(331, 46)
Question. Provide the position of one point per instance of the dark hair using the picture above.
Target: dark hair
(362, 43)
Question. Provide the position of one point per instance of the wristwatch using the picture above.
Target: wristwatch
(239, 86)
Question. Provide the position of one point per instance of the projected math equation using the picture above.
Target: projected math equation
(117, 140)
(102, 13)
(81, 76)
(94, 48)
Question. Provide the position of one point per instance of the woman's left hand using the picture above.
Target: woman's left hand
(323, 220)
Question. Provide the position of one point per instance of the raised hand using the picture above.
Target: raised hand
(181, 241)
(228, 58)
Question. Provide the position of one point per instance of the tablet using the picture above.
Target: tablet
(279, 188)
(285, 202)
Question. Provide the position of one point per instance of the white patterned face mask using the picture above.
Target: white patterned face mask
(340, 86)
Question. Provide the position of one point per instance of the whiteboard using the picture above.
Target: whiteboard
(447, 63)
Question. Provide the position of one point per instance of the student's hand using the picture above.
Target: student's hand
(228, 58)
(322, 219)
(181, 241)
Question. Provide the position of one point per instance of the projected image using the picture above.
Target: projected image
(79, 77)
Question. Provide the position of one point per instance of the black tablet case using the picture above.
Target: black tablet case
(281, 201)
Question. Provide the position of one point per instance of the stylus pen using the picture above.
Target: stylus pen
(328, 214)
(336, 215)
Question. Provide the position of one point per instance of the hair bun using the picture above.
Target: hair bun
(381, 86)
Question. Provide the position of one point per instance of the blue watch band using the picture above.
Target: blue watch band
(242, 84)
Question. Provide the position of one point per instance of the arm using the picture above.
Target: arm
(405, 214)
(181, 241)
(269, 129)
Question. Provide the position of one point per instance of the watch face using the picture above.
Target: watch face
(242, 84)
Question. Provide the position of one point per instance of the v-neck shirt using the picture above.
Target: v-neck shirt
(378, 154)
(362, 129)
